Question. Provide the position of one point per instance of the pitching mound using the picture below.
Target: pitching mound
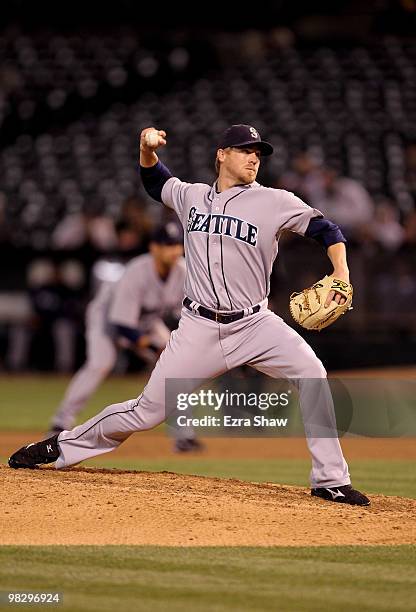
(92, 506)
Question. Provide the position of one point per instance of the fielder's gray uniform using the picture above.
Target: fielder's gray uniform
(231, 242)
(139, 299)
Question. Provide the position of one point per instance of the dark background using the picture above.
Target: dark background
(78, 81)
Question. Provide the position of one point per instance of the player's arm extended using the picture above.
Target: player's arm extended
(154, 174)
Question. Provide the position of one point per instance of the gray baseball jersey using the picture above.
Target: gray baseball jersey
(231, 238)
(231, 242)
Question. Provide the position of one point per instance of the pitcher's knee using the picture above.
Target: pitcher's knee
(148, 415)
(313, 368)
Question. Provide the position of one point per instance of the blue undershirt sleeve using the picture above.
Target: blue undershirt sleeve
(324, 231)
(154, 179)
(130, 333)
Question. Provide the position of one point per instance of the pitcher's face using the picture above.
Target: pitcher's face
(239, 163)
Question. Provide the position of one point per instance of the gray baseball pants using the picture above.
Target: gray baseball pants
(203, 349)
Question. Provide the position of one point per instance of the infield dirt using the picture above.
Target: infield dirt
(96, 506)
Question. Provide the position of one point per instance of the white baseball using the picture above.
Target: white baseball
(152, 138)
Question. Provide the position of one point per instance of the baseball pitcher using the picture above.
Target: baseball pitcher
(232, 230)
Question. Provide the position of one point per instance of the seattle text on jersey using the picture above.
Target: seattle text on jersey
(224, 225)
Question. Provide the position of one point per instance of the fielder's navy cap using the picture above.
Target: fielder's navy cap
(170, 233)
(243, 136)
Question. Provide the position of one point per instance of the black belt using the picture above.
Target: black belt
(219, 317)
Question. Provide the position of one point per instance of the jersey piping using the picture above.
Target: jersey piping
(222, 257)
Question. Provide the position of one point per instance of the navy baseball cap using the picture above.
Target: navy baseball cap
(170, 233)
(243, 136)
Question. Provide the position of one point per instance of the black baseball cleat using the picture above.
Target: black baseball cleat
(343, 495)
(188, 445)
(32, 455)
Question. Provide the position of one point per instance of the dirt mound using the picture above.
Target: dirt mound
(92, 506)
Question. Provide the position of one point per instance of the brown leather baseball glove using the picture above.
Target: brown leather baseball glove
(308, 306)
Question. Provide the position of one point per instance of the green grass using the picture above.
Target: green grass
(216, 579)
(28, 402)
